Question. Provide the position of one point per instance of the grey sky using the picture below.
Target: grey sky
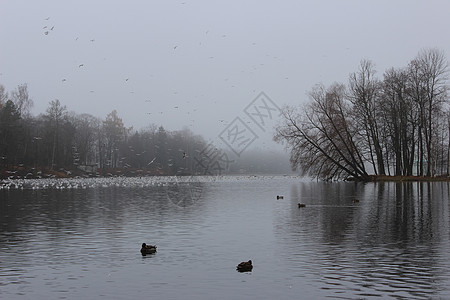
(199, 63)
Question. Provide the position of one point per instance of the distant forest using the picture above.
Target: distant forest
(62, 143)
(398, 125)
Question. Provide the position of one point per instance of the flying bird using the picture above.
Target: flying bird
(151, 161)
(82, 65)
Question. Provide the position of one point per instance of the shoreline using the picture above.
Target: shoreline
(21, 172)
(393, 178)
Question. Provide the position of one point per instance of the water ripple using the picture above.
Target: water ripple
(84, 242)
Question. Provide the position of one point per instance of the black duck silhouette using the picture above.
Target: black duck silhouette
(245, 266)
(147, 249)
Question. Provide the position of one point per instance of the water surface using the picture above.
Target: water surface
(80, 238)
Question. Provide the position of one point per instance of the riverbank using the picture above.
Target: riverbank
(389, 178)
(379, 178)
(22, 172)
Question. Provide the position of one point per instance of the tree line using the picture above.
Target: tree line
(398, 125)
(63, 141)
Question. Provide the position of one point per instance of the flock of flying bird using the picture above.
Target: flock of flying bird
(187, 105)
(47, 30)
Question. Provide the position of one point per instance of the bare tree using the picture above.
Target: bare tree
(433, 72)
(115, 132)
(22, 100)
(399, 120)
(86, 126)
(3, 96)
(55, 116)
(321, 137)
(363, 93)
(10, 133)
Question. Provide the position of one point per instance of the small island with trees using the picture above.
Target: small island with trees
(395, 128)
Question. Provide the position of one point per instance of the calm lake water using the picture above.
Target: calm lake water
(80, 239)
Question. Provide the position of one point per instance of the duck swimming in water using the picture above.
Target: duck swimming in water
(147, 249)
(245, 266)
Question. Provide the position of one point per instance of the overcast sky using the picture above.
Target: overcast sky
(201, 63)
